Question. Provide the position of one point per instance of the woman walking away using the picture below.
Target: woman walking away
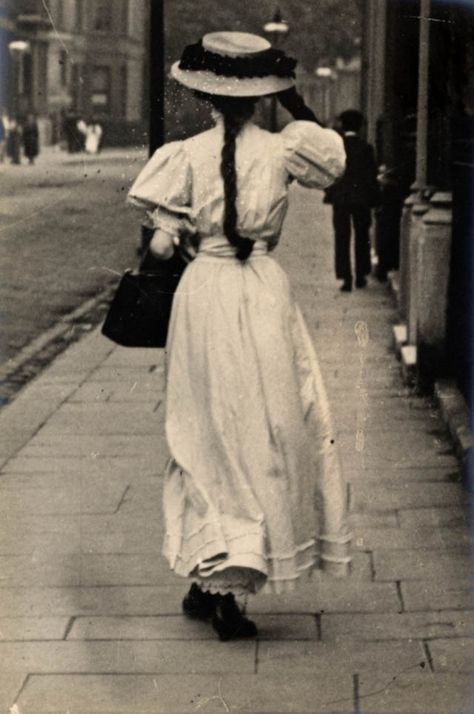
(31, 138)
(253, 494)
(93, 137)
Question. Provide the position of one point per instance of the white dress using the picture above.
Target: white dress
(93, 137)
(253, 494)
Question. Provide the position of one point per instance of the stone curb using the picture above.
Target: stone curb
(58, 332)
(455, 414)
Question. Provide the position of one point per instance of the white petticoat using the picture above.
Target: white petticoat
(254, 486)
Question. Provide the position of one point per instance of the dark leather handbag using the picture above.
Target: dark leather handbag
(140, 310)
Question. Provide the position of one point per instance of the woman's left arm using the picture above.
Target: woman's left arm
(296, 106)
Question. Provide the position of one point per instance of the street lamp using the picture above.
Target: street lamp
(17, 49)
(326, 74)
(277, 29)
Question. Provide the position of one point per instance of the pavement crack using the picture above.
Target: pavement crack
(122, 500)
(429, 657)
(69, 627)
(319, 629)
(373, 571)
(22, 688)
(356, 693)
(400, 596)
(373, 693)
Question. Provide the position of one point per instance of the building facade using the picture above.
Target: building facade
(417, 80)
(86, 57)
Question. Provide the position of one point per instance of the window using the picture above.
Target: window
(76, 81)
(59, 15)
(100, 89)
(63, 61)
(28, 7)
(124, 17)
(79, 15)
(123, 89)
(102, 18)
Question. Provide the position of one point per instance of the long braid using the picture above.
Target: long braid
(235, 111)
(232, 126)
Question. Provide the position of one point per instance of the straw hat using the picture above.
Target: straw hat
(234, 64)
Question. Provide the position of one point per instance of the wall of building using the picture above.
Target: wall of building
(421, 117)
(87, 57)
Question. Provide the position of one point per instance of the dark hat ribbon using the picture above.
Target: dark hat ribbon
(262, 64)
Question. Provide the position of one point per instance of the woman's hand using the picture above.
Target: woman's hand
(288, 97)
(162, 245)
(295, 105)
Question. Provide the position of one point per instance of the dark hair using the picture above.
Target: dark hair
(351, 120)
(236, 111)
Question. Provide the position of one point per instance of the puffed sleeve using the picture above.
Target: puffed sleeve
(314, 156)
(163, 188)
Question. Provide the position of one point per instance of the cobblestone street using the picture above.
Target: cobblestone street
(64, 232)
(90, 616)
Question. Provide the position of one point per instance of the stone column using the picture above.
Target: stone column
(376, 66)
(423, 95)
(404, 269)
(434, 250)
(416, 206)
(415, 267)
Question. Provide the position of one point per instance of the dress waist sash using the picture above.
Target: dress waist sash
(219, 247)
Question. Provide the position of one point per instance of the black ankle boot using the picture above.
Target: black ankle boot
(229, 622)
(197, 604)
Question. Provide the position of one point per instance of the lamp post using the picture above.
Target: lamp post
(157, 75)
(17, 49)
(156, 101)
(326, 74)
(277, 29)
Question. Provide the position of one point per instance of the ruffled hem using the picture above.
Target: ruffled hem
(212, 562)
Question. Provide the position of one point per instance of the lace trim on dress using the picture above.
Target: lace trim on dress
(240, 581)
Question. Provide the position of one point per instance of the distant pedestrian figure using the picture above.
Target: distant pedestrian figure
(253, 494)
(352, 199)
(31, 138)
(14, 142)
(93, 137)
(4, 128)
(74, 130)
(81, 134)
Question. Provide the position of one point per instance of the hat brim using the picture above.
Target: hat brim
(211, 83)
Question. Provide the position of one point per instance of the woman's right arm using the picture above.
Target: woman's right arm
(162, 244)
(162, 192)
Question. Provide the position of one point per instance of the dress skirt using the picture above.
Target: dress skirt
(253, 493)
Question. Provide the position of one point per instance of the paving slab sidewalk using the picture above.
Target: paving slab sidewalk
(90, 618)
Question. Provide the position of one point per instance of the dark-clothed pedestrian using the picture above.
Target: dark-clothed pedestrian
(14, 142)
(387, 226)
(74, 137)
(352, 199)
(253, 493)
(31, 138)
